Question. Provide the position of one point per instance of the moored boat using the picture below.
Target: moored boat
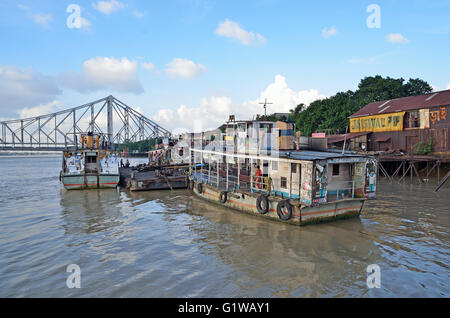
(263, 173)
(91, 166)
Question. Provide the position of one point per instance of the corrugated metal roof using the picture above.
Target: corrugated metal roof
(331, 139)
(434, 99)
(315, 155)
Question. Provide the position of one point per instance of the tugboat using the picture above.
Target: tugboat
(92, 166)
(258, 168)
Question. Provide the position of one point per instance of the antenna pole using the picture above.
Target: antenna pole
(265, 107)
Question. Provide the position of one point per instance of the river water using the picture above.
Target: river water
(172, 244)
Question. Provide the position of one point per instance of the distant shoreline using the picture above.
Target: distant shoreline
(29, 154)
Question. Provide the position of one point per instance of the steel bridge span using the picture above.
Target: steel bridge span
(111, 118)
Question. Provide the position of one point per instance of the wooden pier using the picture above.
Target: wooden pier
(401, 166)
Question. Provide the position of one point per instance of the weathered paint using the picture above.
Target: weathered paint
(385, 122)
(301, 215)
(79, 182)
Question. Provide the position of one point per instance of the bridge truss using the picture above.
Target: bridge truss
(109, 117)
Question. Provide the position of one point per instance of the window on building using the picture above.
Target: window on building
(283, 183)
(294, 167)
(275, 165)
(412, 119)
(335, 169)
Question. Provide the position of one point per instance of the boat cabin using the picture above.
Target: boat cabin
(90, 164)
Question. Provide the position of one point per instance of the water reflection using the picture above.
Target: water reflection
(90, 211)
(291, 261)
(173, 244)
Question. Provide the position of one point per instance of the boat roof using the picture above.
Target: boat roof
(318, 155)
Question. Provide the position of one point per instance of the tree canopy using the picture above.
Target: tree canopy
(331, 114)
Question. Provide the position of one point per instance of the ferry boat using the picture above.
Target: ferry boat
(92, 166)
(260, 167)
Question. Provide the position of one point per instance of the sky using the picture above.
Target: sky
(185, 61)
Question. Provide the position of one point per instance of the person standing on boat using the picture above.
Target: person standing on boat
(258, 175)
(127, 164)
(121, 163)
(372, 181)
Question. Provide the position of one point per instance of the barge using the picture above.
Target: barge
(92, 166)
(258, 169)
(152, 177)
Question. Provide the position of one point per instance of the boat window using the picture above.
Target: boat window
(335, 169)
(294, 167)
(242, 127)
(275, 165)
(91, 159)
(283, 183)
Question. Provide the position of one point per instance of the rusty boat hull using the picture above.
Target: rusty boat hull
(301, 215)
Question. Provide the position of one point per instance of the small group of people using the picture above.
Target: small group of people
(127, 164)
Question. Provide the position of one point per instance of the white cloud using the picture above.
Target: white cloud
(327, 32)
(448, 86)
(214, 111)
(148, 66)
(42, 19)
(184, 68)
(23, 7)
(138, 14)
(41, 109)
(107, 7)
(232, 30)
(104, 73)
(396, 38)
(85, 24)
(435, 88)
(282, 97)
(367, 60)
(24, 88)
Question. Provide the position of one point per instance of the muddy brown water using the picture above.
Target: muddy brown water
(172, 244)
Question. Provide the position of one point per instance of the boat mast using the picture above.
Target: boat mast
(265, 108)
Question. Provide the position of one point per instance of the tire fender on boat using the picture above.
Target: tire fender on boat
(191, 184)
(262, 199)
(200, 188)
(223, 197)
(284, 205)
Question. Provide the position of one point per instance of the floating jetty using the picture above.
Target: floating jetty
(149, 177)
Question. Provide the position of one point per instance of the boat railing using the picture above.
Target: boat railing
(348, 187)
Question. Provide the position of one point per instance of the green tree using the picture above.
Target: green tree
(332, 113)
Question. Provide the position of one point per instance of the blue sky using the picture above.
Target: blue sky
(230, 54)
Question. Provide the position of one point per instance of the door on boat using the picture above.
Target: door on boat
(91, 165)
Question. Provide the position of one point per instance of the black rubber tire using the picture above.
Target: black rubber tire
(262, 199)
(200, 188)
(223, 197)
(288, 206)
(191, 184)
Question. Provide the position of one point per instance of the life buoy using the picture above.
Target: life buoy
(284, 205)
(200, 188)
(264, 208)
(223, 197)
